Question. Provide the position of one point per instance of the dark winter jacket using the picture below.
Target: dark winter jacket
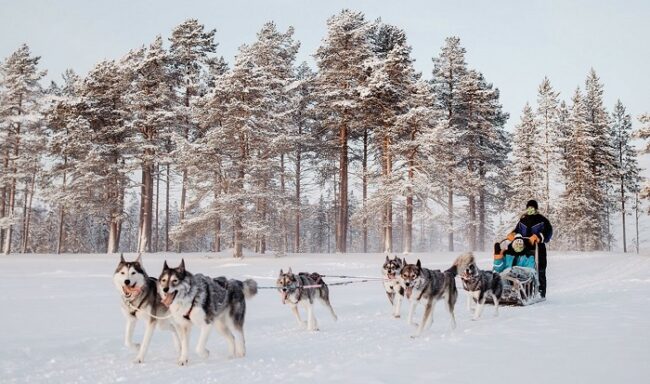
(536, 224)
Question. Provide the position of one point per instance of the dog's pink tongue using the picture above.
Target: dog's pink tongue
(168, 300)
(284, 296)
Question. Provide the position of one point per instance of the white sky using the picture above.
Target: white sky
(514, 43)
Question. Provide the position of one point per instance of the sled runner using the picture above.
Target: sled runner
(518, 272)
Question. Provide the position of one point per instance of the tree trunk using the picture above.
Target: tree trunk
(181, 214)
(59, 244)
(364, 176)
(298, 199)
(155, 242)
(450, 216)
(144, 241)
(636, 216)
(408, 230)
(342, 227)
(167, 211)
(283, 213)
(29, 215)
(388, 208)
(623, 212)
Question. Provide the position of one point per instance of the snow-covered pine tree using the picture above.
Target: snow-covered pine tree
(151, 99)
(414, 151)
(526, 176)
(627, 169)
(100, 145)
(304, 124)
(602, 160)
(449, 69)
(342, 63)
(389, 89)
(547, 119)
(644, 133)
(190, 56)
(580, 220)
(61, 120)
(22, 136)
(482, 150)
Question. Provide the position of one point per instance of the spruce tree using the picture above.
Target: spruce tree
(548, 120)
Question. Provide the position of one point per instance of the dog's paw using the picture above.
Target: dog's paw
(396, 315)
(313, 329)
(183, 361)
(138, 360)
(240, 354)
(204, 353)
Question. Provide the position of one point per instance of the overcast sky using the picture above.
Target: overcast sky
(514, 43)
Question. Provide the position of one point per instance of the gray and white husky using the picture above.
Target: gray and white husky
(478, 284)
(140, 300)
(392, 284)
(429, 286)
(205, 302)
(303, 288)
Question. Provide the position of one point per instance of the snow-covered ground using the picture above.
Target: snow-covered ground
(61, 323)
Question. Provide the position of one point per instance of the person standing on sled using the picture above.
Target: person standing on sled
(539, 231)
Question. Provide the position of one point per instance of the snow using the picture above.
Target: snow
(61, 323)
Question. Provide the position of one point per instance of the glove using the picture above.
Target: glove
(534, 239)
(511, 236)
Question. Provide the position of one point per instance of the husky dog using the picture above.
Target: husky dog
(430, 286)
(478, 284)
(394, 290)
(140, 300)
(303, 288)
(205, 302)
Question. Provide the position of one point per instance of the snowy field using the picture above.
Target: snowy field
(61, 323)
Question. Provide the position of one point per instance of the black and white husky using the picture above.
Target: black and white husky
(205, 302)
(392, 284)
(303, 288)
(429, 286)
(140, 300)
(478, 284)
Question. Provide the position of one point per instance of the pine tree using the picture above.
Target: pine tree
(21, 118)
(526, 178)
(151, 99)
(449, 69)
(341, 61)
(627, 169)
(389, 90)
(194, 67)
(602, 159)
(580, 218)
(547, 118)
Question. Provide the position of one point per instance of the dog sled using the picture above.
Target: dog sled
(519, 273)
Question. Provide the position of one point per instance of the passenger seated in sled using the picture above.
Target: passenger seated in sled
(519, 252)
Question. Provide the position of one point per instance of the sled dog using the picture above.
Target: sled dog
(429, 286)
(303, 288)
(394, 290)
(478, 284)
(205, 302)
(140, 300)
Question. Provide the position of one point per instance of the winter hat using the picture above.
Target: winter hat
(532, 203)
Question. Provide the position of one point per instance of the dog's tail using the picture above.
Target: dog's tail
(461, 263)
(250, 288)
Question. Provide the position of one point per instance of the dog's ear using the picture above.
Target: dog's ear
(181, 268)
(418, 264)
(289, 271)
(139, 259)
(165, 266)
(386, 258)
(281, 272)
(404, 261)
(122, 258)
